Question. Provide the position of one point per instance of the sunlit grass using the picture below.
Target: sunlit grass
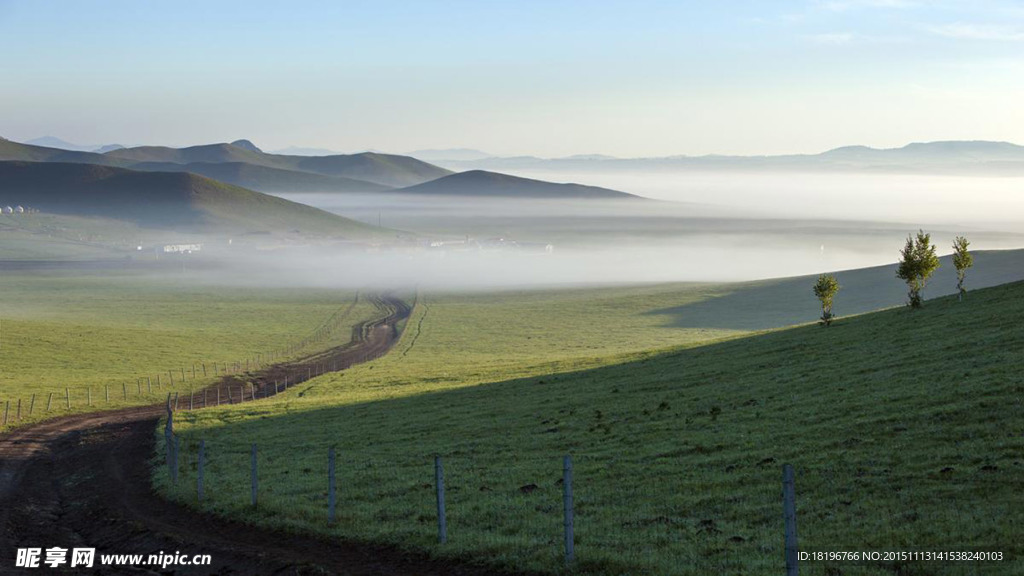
(906, 430)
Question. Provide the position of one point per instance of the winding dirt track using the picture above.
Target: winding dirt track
(83, 481)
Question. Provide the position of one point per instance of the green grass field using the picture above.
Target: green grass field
(84, 331)
(906, 430)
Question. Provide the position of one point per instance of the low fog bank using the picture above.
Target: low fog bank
(458, 266)
(486, 243)
(991, 202)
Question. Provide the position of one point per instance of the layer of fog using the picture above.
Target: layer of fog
(474, 243)
(995, 203)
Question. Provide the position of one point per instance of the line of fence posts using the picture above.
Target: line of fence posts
(568, 524)
(789, 514)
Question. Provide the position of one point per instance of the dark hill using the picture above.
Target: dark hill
(161, 200)
(264, 178)
(480, 183)
(383, 169)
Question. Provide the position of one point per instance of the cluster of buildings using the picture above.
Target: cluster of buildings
(491, 245)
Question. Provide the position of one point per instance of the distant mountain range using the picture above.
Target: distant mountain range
(949, 157)
(54, 142)
(480, 183)
(164, 200)
(242, 163)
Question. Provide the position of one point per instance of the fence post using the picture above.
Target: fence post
(175, 401)
(149, 385)
(7, 408)
(252, 390)
(204, 369)
(174, 468)
(138, 386)
(124, 391)
(789, 512)
(200, 470)
(191, 400)
(218, 396)
(17, 415)
(442, 522)
(31, 404)
(49, 400)
(255, 478)
(570, 546)
(330, 486)
(88, 395)
(67, 397)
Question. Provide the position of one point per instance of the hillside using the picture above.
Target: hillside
(16, 151)
(479, 183)
(381, 169)
(161, 200)
(904, 428)
(265, 179)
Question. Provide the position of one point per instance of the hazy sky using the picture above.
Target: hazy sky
(548, 77)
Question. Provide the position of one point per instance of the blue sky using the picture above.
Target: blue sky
(547, 78)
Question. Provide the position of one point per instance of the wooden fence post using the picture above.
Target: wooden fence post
(789, 513)
(49, 401)
(149, 385)
(124, 391)
(31, 404)
(330, 486)
(88, 395)
(177, 450)
(255, 478)
(7, 408)
(67, 397)
(442, 521)
(191, 400)
(218, 396)
(201, 470)
(204, 369)
(17, 414)
(252, 390)
(175, 401)
(570, 545)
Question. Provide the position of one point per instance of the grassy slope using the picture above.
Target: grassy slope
(28, 153)
(79, 330)
(905, 429)
(382, 169)
(162, 199)
(266, 179)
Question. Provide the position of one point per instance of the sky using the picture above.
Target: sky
(547, 78)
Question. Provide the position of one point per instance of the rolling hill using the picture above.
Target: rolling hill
(162, 200)
(483, 184)
(10, 150)
(264, 178)
(381, 169)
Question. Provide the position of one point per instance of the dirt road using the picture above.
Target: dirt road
(83, 481)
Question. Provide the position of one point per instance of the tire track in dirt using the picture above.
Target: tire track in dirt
(84, 480)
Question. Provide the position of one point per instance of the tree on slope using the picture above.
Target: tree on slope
(826, 289)
(963, 260)
(917, 263)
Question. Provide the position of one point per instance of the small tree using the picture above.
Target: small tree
(826, 289)
(917, 263)
(963, 260)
